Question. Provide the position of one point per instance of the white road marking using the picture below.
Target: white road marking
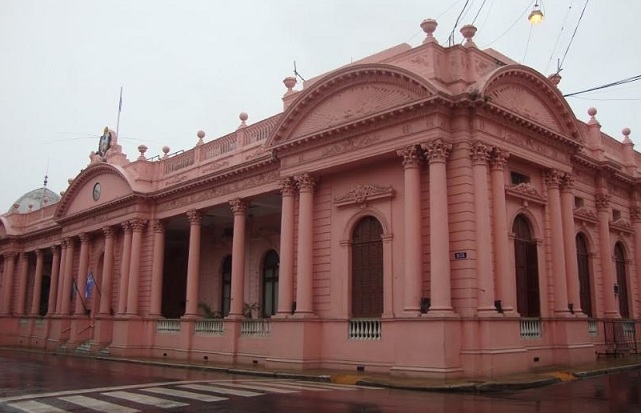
(221, 390)
(36, 407)
(144, 399)
(185, 394)
(98, 405)
(264, 388)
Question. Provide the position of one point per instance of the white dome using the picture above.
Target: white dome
(36, 199)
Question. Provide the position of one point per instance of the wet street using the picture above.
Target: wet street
(38, 383)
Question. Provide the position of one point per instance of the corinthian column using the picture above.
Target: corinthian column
(193, 263)
(65, 305)
(635, 214)
(155, 307)
(22, 283)
(505, 279)
(37, 284)
(553, 180)
(305, 267)
(569, 240)
(286, 270)
(137, 225)
(603, 211)
(484, 280)
(7, 282)
(82, 274)
(55, 273)
(441, 294)
(124, 268)
(239, 209)
(413, 277)
(107, 271)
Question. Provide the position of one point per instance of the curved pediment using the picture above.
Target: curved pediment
(348, 95)
(525, 92)
(97, 186)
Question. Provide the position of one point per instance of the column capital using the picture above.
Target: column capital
(66, 242)
(238, 206)
(567, 182)
(10, 255)
(412, 156)
(55, 249)
(108, 232)
(635, 214)
(38, 253)
(498, 158)
(137, 224)
(83, 237)
(437, 150)
(305, 182)
(126, 226)
(602, 201)
(195, 217)
(553, 178)
(287, 186)
(159, 225)
(480, 153)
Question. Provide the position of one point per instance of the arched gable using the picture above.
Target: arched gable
(524, 91)
(346, 95)
(99, 185)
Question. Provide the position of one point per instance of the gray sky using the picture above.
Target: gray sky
(188, 65)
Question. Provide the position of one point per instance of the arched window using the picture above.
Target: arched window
(367, 268)
(225, 300)
(270, 284)
(619, 257)
(582, 257)
(527, 270)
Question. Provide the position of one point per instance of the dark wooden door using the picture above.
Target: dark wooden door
(367, 268)
(225, 299)
(527, 270)
(619, 256)
(270, 284)
(583, 262)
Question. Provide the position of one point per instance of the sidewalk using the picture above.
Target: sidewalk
(538, 378)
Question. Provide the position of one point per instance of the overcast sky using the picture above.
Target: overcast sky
(187, 65)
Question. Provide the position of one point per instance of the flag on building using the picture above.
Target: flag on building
(90, 283)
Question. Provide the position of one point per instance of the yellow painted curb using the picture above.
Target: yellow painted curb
(345, 379)
(563, 376)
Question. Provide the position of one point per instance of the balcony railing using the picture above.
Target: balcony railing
(592, 328)
(255, 328)
(530, 328)
(364, 329)
(168, 326)
(210, 327)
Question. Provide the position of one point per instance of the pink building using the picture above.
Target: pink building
(431, 211)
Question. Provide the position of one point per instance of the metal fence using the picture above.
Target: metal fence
(621, 336)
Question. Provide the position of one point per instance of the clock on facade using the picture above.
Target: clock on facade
(96, 191)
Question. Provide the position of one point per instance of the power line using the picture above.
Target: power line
(572, 38)
(479, 12)
(450, 39)
(511, 26)
(604, 99)
(559, 36)
(607, 85)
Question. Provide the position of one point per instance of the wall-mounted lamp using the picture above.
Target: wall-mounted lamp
(425, 305)
(571, 308)
(498, 306)
(616, 289)
(536, 15)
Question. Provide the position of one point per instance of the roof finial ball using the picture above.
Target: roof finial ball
(165, 150)
(243, 119)
(429, 26)
(592, 113)
(290, 82)
(468, 31)
(626, 134)
(201, 136)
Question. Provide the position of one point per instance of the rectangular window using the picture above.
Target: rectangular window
(517, 178)
(616, 215)
(578, 202)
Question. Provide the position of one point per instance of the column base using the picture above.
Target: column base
(440, 314)
(563, 313)
(488, 312)
(305, 316)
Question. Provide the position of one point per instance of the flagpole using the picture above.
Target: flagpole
(119, 110)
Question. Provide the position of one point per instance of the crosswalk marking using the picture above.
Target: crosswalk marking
(265, 388)
(32, 406)
(185, 394)
(98, 405)
(144, 399)
(220, 390)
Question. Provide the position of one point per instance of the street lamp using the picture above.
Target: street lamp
(536, 15)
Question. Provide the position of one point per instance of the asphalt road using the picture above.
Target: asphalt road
(39, 383)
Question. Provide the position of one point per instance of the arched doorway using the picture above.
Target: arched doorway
(270, 284)
(225, 299)
(619, 257)
(527, 270)
(367, 268)
(583, 261)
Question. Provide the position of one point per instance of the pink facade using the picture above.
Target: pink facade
(430, 211)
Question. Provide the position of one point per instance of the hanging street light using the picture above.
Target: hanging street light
(536, 15)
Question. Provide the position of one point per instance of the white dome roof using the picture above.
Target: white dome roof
(38, 198)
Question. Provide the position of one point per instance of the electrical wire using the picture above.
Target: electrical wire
(513, 24)
(559, 36)
(450, 39)
(607, 85)
(487, 15)
(527, 44)
(572, 38)
(478, 12)
(604, 99)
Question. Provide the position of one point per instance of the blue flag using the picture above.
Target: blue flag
(90, 283)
